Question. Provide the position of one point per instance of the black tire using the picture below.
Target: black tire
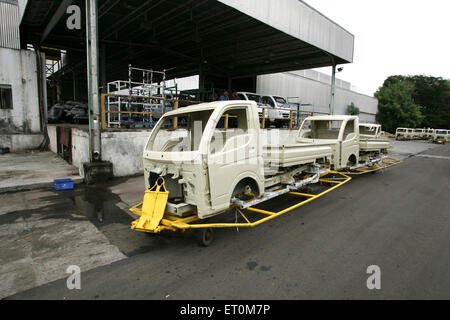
(205, 236)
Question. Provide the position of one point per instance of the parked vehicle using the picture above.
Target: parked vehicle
(249, 96)
(281, 113)
(277, 108)
(372, 142)
(441, 136)
(404, 134)
(269, 114)
(206, 167)
(429, 133)
(419, 134)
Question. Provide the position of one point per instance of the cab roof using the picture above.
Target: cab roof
(369, 125)
(208, 106)
(334, 117)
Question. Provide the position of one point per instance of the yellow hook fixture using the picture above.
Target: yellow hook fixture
(153, 207)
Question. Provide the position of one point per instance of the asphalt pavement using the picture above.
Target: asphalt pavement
(397, 219)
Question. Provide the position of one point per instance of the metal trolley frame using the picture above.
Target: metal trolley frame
(329, 178)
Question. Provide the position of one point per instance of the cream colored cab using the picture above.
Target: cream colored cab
(341, 132)
(429, 133)
(202, 162)
(441, 135)
(372, 143)
(369, 130)
(419, 134)
(211, 153)
(404, 133)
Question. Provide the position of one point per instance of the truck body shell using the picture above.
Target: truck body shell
(404, 134)
(441, 135)
(205, 164)
(371, 139)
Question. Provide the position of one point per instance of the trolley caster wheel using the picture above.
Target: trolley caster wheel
(205, 236)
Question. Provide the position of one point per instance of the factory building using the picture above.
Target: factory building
(253, 46)
(312, 89)
(20, 117)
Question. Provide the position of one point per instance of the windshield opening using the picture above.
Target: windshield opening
(280, 100)
(186, 136)
(321, 129)
(253, 97)
(371, 131)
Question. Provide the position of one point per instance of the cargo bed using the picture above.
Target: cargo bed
(373, 144)
(287, 155)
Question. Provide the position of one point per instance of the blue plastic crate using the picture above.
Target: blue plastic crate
(63, 184)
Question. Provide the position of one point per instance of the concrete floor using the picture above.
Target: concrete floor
(397, 219)
(31, 170)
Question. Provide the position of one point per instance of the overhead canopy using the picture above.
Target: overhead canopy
(228, 38)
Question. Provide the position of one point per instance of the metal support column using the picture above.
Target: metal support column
(74, 75)
(96, 170)
(103, 68)
(333, 87)
(95, 152)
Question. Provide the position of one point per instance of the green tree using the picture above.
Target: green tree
(430, 94)
(396, 106)
(352, 109)
(433, 96)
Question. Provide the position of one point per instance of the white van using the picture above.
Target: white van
(404, 134)
(249, 96)
(281, 111)
(441, 136)
(419, 134)
(429, 133)
(270, 114)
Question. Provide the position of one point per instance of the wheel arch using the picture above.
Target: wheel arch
(353, 159)
(250, 180)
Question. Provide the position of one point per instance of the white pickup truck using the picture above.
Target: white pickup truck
(277, 108)
(371, 142)
(206, 166)
(404, 134)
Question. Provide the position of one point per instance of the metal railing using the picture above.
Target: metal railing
(131, 102)
(293, 121)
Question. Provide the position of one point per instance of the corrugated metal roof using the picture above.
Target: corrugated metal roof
(301, 21)
(9, 24)
(228, 38)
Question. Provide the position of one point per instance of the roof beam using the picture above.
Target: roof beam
(129, 18)
(54, 20)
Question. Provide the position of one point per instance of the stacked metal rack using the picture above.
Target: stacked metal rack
(142, 99)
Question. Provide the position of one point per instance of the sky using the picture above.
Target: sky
(406, 37)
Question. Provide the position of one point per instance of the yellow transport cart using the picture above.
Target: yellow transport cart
(154, 219)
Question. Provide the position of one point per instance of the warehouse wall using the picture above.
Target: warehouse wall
(18, 69)
(314, 88)
(124, 149)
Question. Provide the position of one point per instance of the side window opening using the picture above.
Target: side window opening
(268, 101)
(349, 128)
(6, 100)
(237, 126)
